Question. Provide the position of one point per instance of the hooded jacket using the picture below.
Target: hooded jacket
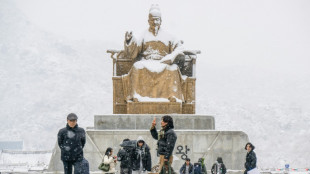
(144, 154)
(218, 167)
(71, 142)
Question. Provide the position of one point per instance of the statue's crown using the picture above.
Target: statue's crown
(155, 11)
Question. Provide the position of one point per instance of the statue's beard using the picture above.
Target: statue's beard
(155, 29)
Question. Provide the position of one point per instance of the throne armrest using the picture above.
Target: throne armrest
(121, 65)
(112, 52)
(189, 68)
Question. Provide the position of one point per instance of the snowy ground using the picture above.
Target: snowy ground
(253, 74)
(24, 161)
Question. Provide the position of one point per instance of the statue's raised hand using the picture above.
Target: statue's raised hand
(128, 36)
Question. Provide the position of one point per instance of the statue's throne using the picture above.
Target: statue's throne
(122, 65)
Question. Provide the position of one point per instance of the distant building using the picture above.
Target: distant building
(11, 145)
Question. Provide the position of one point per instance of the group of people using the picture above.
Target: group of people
(219, 167)
(189, 168)
(200, 168)
(135, 156)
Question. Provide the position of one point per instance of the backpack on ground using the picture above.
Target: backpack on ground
(82, 167)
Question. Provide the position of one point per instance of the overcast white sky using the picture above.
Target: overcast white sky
(274, 33)
(254, 65)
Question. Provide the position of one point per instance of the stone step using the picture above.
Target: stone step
(144, 121)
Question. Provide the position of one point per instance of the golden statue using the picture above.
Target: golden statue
(153, 77)
(158, 59)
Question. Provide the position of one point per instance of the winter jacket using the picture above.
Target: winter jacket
(165, 145)
(222, 168)
(71, 142)
(190, 169)
(201, 161)
(146, 157)
(109, 160)
(125, 156)
(204, 169)
(250, 161)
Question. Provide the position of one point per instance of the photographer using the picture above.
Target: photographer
(125, 156)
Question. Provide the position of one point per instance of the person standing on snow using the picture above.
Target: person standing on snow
(110, 159)
(203, 165)
(166, 140)
(218, 167)
(125, 155)
(71, 141)
(142, 161)
(250, 161)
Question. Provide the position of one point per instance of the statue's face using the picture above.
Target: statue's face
(154, 21)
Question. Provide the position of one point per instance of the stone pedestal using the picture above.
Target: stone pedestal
(196, 138)
(143, 122)
(154, 107)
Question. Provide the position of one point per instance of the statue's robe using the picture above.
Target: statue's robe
(149, 79)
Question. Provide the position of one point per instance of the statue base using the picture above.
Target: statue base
(154, 107)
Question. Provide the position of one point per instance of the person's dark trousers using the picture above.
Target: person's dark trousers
(126, 170)
(68, 167)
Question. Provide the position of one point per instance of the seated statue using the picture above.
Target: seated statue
(154, 77)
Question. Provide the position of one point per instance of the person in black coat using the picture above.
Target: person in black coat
(203, 165)
(187, 167)
(71, 141)
(125, 156)
(142, 161)
(166, 140)
(218, 167)
(250, 161)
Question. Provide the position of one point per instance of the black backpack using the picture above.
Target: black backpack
(197, 168)
(125, 156)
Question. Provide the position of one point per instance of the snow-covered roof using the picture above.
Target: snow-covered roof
(24, 161)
